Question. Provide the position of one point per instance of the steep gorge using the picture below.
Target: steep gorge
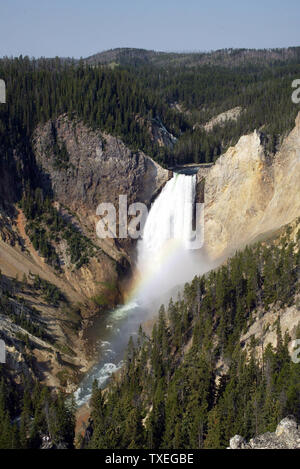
(248, 196)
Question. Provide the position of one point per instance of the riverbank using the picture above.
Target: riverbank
(83, 412)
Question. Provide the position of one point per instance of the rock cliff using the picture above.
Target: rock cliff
(249, 194)
(99, 167)
(286, 436)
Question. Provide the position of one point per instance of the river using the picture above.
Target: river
(165, 261)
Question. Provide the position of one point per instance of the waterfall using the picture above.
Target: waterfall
(164, 261)
(170, 219)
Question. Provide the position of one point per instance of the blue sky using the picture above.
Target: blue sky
(80, 28)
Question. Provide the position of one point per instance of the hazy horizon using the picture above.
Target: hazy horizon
(68, 28)
(148, 50)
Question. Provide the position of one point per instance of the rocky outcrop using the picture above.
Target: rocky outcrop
(157, 131)
(221, 119)
(159, 134)
(286, 436)
(263, 326)
(200, 185)
(248, 194)
(99, 167)
(6, 231)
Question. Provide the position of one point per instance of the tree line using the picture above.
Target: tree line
(194, 383)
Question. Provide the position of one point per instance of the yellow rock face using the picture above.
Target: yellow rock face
(246, 195)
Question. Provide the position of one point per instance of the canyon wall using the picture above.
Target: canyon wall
(249, 194)
(79, 168)
(99, 168)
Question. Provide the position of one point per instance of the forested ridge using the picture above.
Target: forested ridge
(226, 57)
(171, 393)
(263, 93)
(110, 100)
(123, 100)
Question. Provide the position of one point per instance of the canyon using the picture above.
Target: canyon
(249, 195)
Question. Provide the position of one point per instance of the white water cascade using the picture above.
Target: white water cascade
(164, 257)
(164, 262)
